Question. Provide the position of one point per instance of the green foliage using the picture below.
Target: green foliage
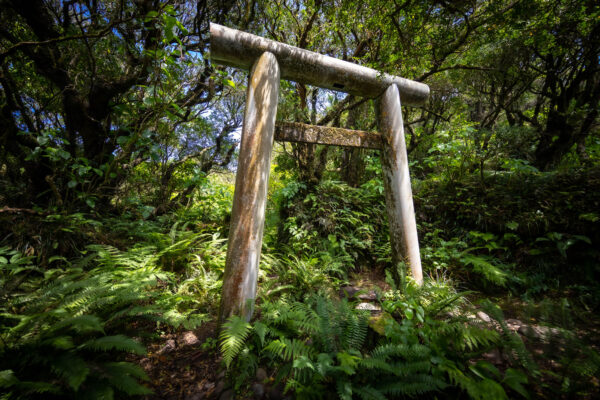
(322, 347)
(299, 276)
(559, 340)
(233, 335)
(115, 109)
(58, 326)
(340, 225)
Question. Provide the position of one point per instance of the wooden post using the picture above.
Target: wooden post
(249, 199)
(396, 179)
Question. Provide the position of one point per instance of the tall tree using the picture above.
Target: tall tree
(89, 90)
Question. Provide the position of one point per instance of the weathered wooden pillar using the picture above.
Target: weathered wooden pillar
(250, 197)
(396, 179)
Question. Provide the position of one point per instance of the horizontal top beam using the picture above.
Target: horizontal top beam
(240, 49)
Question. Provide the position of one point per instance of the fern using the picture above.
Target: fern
(289, 349)
(511, 340)
(233, 336)
(124, 377)
(71, 368)
(57, 329)
(116, 342)
(416, 385)
(483, 266)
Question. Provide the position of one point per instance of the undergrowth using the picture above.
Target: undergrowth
(322, 348)
(65, 329)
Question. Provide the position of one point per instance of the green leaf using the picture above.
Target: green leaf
(122, 375)
(63, 154)
(512, 225)
(348, 362)
(592, 217)
(583, 238)
(303, 362)
(60, 342)
(7, 378)
(116, 342)
(233, 336)
(73, 369)
(515, 380)
(81, 324)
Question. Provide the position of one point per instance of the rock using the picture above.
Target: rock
(229, 394)
(275, 392)
(189, 338)
(349, 291)
(528, 331)
(483, 316)
(261, 375)
(369, 307)
(259, 390)
(220, 387)
(168, 347)
(538, 331)
(221, 375)
(379, 322)
(513, 324)
(494, 357)
(368, 296)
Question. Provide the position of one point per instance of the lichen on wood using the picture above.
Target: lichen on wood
(327, 135)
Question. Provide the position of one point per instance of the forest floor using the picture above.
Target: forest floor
(187, 365)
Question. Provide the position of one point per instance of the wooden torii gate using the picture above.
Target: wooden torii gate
(268, 62)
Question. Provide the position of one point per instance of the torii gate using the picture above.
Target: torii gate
(268, 62)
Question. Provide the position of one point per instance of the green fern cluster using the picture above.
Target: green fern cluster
(323, 348)
(61, 328)
(334, 222)
(578, 362)
(438, 317)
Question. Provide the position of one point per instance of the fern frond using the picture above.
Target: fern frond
(71, 368)
(413, 385)
(412, 352)
(484, 267)
(81, 324)
(369, 393)
(412, 367)
(379, 364)
(116, 342)
(124, 375)
(289, 349)
(344, 389)
(261, 331)
(472, 337)
(233, 336)
(355, 330)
